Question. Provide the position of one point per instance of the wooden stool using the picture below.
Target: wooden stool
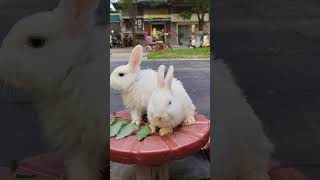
(153, 154)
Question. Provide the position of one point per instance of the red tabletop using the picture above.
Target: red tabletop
(280, 172)
(49, 162)
(156, 150)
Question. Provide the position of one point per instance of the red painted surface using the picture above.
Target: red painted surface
(280, 172)
(55, 166)
(147, 28)
(46, 165)
(5, 173)
(169, 28)
(155, 150)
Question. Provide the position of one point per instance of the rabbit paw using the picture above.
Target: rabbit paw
(136, 119)
(152, 129)
(137, 122)
(165, 131)
(189, 120)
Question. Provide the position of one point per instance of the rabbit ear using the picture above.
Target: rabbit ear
(135, 58)
(77, 14)
(169, 77)
(161, 76)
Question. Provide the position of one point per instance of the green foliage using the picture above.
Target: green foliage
(112, 120)
(155, 3)
(121, 129)
(124, 4)
(116, 126)
(143, 132)
(197, 53)
(200, 6)
(126, 130)
(186, 14)
(14, 166)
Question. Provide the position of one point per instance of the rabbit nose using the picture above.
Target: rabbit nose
(160, 116)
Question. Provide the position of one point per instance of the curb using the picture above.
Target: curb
(150, 60)
(207, 59)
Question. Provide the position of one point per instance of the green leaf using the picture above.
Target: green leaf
(19, 176)
(14, 166)
(143, 132)
(116, 126)
(126, 130)
(112, 119)
(186, 15)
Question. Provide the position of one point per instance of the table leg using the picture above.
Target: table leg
(153, 172)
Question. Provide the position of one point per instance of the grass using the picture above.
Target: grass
(197, 53)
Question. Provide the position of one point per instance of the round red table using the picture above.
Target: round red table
(154, 152)
(280, 172)
(51, 165)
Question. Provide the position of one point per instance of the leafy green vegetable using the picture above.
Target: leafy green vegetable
(126, 130)
(116, 126)
(112, 120)
(14, 166)
(143, 132)
(26, 177)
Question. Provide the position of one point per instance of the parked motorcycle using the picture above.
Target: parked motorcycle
(115, 40)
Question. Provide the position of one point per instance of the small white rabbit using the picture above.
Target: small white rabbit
(57, 57)
(134, 85)
(170, 104)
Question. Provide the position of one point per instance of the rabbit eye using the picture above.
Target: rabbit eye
(36, 41)
(121, 74)
(169, 103)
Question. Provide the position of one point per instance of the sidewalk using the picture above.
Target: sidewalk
(123, 54)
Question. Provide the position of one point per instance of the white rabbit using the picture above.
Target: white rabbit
(134, 85)
(241, 150)
(169, 105)
(57, 56)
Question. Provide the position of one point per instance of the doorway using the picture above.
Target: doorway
(156, 30)
(184, 31)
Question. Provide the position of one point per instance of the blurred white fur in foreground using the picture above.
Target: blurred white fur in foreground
(59, 57)
(241, 151)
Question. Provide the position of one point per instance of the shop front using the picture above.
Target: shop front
(115, 22)
(156, 25)
(183, 29)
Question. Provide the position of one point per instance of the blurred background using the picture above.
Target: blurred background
(20, 132)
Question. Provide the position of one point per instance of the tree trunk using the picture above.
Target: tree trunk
(201, 23)
(133, 16)
(133, 30)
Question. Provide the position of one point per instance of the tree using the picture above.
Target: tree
(130, 6)
(200, 7)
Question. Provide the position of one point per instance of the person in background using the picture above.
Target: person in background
(155, 34)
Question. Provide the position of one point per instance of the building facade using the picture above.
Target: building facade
(152, 19)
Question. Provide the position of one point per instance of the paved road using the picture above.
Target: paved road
(272, 47)
(195, 75)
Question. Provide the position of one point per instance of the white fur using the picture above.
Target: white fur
(171, 90)
(241, 150)
(67, 77)
(136, 86)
